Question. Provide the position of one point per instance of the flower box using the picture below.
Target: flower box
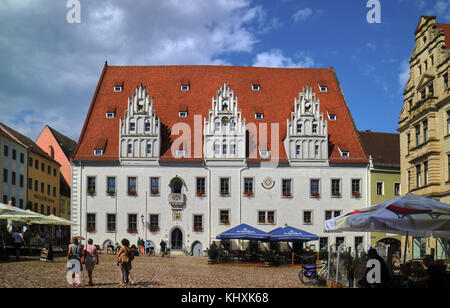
(225, 222)
(271, 222)
(261, 221)
(153, 229)
(111, 230)
(287, 194)
(315, 195)
(336, 194)
(91, 192)
(90, 230)
(198, 229)
(200, 193)
(132, 230)
(224, 193)
(111, 193)
(132, 193)
(356, 194)
(248, 193)
(155, 192)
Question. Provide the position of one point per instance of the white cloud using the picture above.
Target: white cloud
(302, 14)
(50, 68)
(275, 58)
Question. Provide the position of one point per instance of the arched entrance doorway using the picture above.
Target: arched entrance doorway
(197, 249)
(176, 239)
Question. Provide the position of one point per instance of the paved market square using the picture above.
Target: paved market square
(148, 272)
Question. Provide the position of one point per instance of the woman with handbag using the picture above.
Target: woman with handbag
(90, 259)
(125, 257)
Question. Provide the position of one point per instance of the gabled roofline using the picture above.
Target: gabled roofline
(94, 99)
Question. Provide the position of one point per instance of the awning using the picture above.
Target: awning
(290, 234)
(243, 232)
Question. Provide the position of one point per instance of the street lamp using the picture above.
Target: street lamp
(143, 226)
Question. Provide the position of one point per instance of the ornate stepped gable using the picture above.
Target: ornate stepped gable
(140, 129)
(224, 130)
(307, 133)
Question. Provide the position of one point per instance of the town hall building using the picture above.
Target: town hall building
(184, 153)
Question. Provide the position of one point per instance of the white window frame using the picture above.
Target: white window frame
(382, 188)
(98, 152)
(312, 217)
(183, 114)
(256, 87)
(118, 89)
(185, 87)
(110, 115)
(259, 116)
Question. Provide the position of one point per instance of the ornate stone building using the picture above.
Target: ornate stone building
(184, 153)
(424, 124)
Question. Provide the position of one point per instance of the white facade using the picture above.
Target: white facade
(299, 193)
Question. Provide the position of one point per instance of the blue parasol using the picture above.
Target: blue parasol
(289, 234)
(243, 232)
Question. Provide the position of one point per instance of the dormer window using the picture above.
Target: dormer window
(345, 154)
(118, 89)
(256, 87)
(181, 153)
(110, 115)
(323, 89)
(98, 152)
(185, 87)
(332, 117)
(183, 114)
(264, 153)
(259, 116)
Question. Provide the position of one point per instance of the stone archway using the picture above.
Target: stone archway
(176, 239)
(197, 249)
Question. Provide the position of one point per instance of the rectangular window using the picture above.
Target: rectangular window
(380, 188)
(130, 149)
(425, 130)
(5, 151)
(14, 154)
(315, 188)
(259, 116)
(446, 82)
(337, 213)
(358, 241)
(111, 185)
(91, 184)
(111, 222)
(409, 180)
(323, 243)
(154, 221)
(42, 188)
(339, 241)
(22, 158)
(224, 149)
(335, 187)
(299, 128)
(54, 171)
(316, 150)
(224, 186)
(36, 164)
(132, 181)
(154, 186)
(271, 217)
(147, 127)
(448, 167)
(117, 89)
(356, 188)
(431, 90)
(48, 210)
(419, 247)
(42, 167)
(36, 185)
(448, 122)
(328, 215)
(216, 149)
(198, 223)
(224, 217)
(48, 189)
(262, 217)
(13, 178)
(418, 176)
(149, 149)
(425, 173)
(132, 127)
(256, 87)
(314, 128)
(13, 201)
(30, 183)
(307, 217)
(417, 135)
(90, 222)
(248, 186)
(201, 185)
(287, 188)
(233, 149)
(298, 150)
(5, 175)
(49, 169)
(408, 142)
(54, 191)
(110, 115)
(132, 223)
(397, 189)
(30, 162)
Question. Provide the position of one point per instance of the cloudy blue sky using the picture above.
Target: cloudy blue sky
(49, 68)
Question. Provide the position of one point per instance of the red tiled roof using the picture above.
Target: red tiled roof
(279, 87)
(446, 28)
(383, 147)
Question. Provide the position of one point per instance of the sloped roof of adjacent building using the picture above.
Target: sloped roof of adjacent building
(67, 145)
(383, 147)
(26, 142)
(278, 89)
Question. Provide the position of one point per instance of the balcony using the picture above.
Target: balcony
(177, 200)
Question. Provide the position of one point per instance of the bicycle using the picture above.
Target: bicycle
(187, 251)
(166, 252)
(313, 274)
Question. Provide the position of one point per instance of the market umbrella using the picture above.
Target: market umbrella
(55, 220)
(290, 234)
(16, 214)
(243, 232)
(408, 215)
(416, 215)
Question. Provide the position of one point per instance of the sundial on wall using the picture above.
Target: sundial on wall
(268, 183)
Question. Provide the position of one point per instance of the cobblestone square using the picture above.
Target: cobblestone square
(148, 272)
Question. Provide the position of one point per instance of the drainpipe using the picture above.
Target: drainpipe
(209, 202)
(240, 193)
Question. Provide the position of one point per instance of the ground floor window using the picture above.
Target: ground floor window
(339, 241)
(419, 247)
(323, 243)
(132, 222)
(111, 222)
(442, 248)
(90, 222)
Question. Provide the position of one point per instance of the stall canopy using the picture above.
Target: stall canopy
(243, 232)
(26, 216)
(291, 234)
(407, 215)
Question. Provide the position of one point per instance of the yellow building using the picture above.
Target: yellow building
(424, 124)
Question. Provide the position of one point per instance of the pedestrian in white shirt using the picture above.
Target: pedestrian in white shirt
(17, 240)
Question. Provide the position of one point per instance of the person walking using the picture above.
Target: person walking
(18, 241)
(163, 246)
(91, 259)
(125, 257)
(75, 254)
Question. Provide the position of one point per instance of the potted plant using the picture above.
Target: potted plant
(111, 192)
(356, 194)
(132, 193)
(213, 254)
(198, 228)
(153, 228)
